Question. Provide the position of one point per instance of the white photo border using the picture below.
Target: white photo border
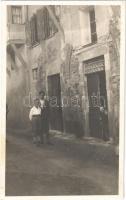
(3, 36)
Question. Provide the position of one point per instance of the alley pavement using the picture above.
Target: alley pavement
(69, 167)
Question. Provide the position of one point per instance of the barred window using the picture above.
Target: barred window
(16, 14)
(93, 25)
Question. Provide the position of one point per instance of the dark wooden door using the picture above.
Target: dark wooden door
(94, 115)
(97, 97)
(54, 91)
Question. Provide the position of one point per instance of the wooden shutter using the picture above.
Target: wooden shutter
(40, 24)
(46, 23)
(35, 28)
(34, 37)
(54, 28)
(32, 31)
(28, 33)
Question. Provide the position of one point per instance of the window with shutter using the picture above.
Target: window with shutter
(40, 24)
(52, 27)
(40, 27)
(45, 26)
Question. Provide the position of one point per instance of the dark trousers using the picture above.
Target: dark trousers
(36, 128)
(44, 130)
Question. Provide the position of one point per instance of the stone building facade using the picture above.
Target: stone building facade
(70, 52)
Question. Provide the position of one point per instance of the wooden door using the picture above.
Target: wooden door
(54, 91)
(97, 96)
(94, 111)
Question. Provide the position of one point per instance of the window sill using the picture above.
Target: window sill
(38, 43)
(85, 46)
(90, 44)
(51, 36)
(34, 45)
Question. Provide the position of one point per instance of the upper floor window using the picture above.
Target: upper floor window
(93, 25)
(45, 25)
(40, 27)
(16, 14)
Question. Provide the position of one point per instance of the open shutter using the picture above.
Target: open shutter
(40, 24)
(32, 31)
(35, 28)
(38, 17)
(28, 33)
(54, 28)
(46, 23)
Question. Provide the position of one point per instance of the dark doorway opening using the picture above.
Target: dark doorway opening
(97, 95)
(54, 92)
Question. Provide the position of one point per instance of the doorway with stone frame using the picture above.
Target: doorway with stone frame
(95, 80)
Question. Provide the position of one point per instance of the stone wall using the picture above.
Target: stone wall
(115, 93)
(54, 56)
(114, 50)
(46, 57)
(72, 110)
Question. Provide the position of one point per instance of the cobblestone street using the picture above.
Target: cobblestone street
(69, 167)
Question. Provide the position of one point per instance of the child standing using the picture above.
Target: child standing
(35, 118)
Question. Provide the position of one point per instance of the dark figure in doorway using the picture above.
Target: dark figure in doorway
(44, 104)
(104, 123)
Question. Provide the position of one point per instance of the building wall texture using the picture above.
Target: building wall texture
(67, 56)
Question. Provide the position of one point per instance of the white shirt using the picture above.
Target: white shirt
(42, 102)
(34, 111)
